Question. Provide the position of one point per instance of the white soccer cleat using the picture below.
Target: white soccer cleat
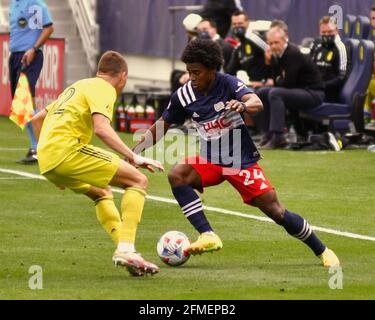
(134, 263)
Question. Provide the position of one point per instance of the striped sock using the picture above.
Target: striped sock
(192, 208)
(298, 227)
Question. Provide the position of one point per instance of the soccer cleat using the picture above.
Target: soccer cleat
(31, 157)
(134, 263)
(329, 259)
(207, 242)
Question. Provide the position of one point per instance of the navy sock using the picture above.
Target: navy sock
(298, 227)
(192, 208)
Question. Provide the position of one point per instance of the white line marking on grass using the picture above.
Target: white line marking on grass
(13, 149)
(212, 209)
(13, 178)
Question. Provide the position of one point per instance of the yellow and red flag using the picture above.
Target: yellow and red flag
(22, 106)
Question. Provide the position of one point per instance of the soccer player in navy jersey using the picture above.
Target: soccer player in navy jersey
(217, 102)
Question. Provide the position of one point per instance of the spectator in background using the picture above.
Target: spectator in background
(207, 29)
(370, 100)
(282, 25)
(221, 12)
(190, 23)
(249, 55)
(30, 26)
(298, 85)
(329, 54)
(373, 16)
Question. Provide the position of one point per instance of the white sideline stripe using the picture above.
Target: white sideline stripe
(212, 209)
(13, 149)
(13, 178)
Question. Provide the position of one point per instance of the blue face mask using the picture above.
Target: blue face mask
(239, 32)
(204, 35)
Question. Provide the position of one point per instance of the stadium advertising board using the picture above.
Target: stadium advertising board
(51, 80)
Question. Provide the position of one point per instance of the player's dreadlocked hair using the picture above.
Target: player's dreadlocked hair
(205, 52)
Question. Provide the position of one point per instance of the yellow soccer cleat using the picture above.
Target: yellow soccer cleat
(329, 259)
(134, 263)
(207, 242)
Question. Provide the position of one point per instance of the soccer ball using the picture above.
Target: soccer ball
(171, 248)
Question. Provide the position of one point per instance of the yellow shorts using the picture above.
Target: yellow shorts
(89, 166)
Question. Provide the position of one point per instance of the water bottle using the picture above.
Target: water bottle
(139, 111)
(150, 112)
(121, 118)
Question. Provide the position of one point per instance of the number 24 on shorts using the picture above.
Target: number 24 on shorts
(250, 177)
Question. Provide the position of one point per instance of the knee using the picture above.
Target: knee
(274, 93)
(141, 181)
(97, 193)
(177, 177)
(275, 211)
(277, 214)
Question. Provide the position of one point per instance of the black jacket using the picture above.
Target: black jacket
(249, 56)
(296, 70)
(332, 62)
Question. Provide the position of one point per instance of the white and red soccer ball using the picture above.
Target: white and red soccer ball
(171, 248)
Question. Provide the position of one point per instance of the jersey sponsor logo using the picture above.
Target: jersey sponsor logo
(216, 128)
(221, 123)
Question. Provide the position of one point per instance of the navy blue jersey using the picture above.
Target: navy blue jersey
(223, 135)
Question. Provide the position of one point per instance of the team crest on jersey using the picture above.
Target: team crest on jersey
(249, 50)
(329, 56)
(219, 106)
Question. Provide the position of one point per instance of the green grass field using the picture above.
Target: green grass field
(40, 225)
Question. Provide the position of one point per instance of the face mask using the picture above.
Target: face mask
(204, 35)
(239, 32)
(328, 40)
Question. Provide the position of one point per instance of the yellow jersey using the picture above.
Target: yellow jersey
(68, 125)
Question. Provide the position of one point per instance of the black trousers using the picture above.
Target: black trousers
(277, 101)
(32, 71)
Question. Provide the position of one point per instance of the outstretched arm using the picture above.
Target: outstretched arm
(105, 132)
(37, 122)
(152, 136)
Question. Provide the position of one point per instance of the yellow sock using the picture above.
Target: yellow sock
(109, 217)
(131, 209)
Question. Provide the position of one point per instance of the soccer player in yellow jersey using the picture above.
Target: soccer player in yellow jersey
(67, 159)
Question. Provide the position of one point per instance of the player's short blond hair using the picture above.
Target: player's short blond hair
(112, 63)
